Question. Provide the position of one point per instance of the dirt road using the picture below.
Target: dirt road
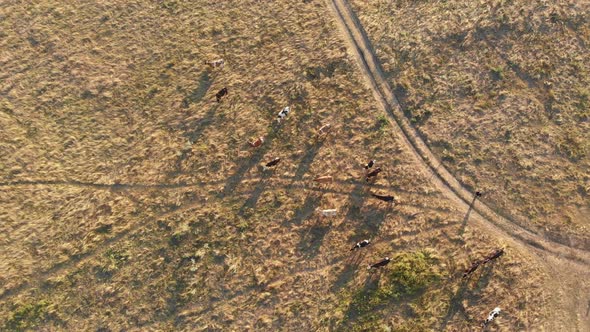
(568, 267)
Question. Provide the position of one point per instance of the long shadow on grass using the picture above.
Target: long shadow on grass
(306, 161)
(255, 195)
(193, 131)
(359, 304)
(197, 94)
(455, 304)
(312, 240)
(353, 264)
(305, 211)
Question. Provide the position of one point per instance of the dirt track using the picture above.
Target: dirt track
(568, 266)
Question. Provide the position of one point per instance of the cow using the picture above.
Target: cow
(478, 194)
(373, 173)
(283, 113)
(382, 263)
(361, 244)
(258, 142)
(496, 254)
(329, 212)
(271, 163)
(369, 164)
(220, 94)
(324, 179)
(493, 314)
(471, 269)
(216, 63)
(385, 198)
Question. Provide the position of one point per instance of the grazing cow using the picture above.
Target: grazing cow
(385, 198)
(369, 164)
(220, 94)
(282, 114)
(216, 63)
(324, 179)
(373, 173)
(496, 254)
(361, 244)
(324, 130)
(329, 213)
(493, 314)
(258, 142)
(478, 194)
(382, 263)
(471, 269)
(271, 163)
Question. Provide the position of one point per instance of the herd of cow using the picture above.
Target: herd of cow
(370, 175)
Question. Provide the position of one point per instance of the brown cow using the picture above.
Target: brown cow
(258, 142)
(324, 179)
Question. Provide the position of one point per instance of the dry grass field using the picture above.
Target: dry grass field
(130, 200)
(499, 91)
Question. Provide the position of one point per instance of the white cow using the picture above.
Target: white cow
(493, 314)
(329, 213)
(282, 114)
(216, 63)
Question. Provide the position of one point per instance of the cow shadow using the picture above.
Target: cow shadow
(256, 193)
(312, 240)
(455, 304)
(306, 161)
(307, 209)
(193, 131)
(352, 264)
(370, 285)
(197, 94)
(466, 218)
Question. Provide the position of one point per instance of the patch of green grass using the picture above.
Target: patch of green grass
(408, 275)
(27, 316)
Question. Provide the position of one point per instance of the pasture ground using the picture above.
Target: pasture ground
(131, 201)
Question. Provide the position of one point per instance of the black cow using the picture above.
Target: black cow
(382, 263)
(385, 198)
(272, 163)
(361, 244)
(373, 173)
(369, 164)
(220, 94)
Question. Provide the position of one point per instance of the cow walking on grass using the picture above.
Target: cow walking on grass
(493, 314)
(380, 264)
(256, 143)
(216, 63)
(384, 198)
(361, 244)
(220, 94)
(271, 163)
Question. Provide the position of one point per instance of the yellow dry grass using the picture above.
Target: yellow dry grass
(130, 200)
(499, 90)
